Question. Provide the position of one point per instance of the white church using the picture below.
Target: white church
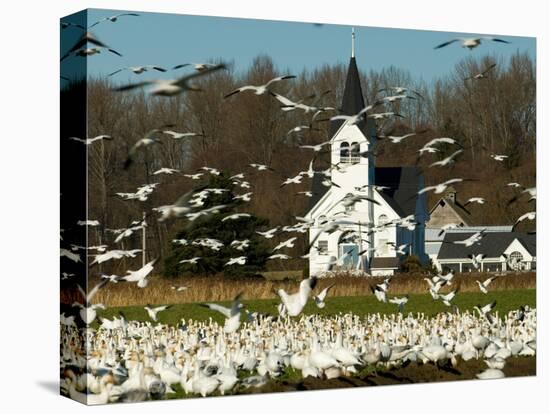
(356, 246)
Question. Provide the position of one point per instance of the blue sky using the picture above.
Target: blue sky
(170, 39)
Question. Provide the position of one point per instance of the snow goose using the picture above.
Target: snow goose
(482, 74)
(399, 301)
(232, 315)
(485, 284)
(470, 42)
(138, 70)
(484, 311)
(259, 89)
(320, 298)
(294, 303)
(89, 141)
(140, 275)
(527, 216)
(152, 312)
(113, 18)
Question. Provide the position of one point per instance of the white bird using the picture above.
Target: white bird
(499, 157)
(301, 128)
(379, 293)
(114, 254)
(171, 87)
(241, 260)
(140, 275)
(236, 216)
(246, 197)
(478, 200)
(400, 302)
(470, 42)
(397, 140)
(75, 257)
(484, 285)
(268, 234)
(447, 161)
(477, 259)
(287, 243)
(279, 256)
(514, 185)
(194, 176)
(179, 135)
(320, 298)
(179, 288)
(484, 311)
(482, 74)
(317, 147)
(89, 141)
(447, 298)
(147, 141)
(473, 239)
(306, 193)
(87, 310)
(527, 216)
(260, 167)
(91, 223)
(399, 90)
(294, 303)
(113, 18)
(293, 180)
(152, 312)
(165, 170)
(358, 117)
(197, 66)
(491, 373)
(193, 260)
(259, 89)
(232, 315)
(440, 188)
(138, 70)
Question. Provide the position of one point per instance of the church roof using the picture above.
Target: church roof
(401, 194)
(353, 101)
(492, 244)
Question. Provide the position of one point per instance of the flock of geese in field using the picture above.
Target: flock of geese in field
(124, 360)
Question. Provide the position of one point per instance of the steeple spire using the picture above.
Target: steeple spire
(353, 42)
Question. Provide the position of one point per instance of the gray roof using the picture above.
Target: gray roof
(384, 263)
(492, 245)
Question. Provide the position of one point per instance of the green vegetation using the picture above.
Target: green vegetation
(361, 305)
(213, 227)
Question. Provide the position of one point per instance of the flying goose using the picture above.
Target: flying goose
(80, 49)
(527, 216)
(440, 188)
(138, 70)
(232, 315)
(470, 42)
(484, 285)
(400, 302)
(140, 275)
(113, 18)
(294, 303)
(320, 298)
(358, 117)
(152, 312)
(199, 67)
(476, 259)
(259, 89)
(171, 87)
(399, 90)
(287, 243)
(165, 170)
(499, 157)
(89, 141)
(484, 311)
(473, 239)
(447, 161)
(447, 298)
(397, 140)
(482, 74)
(478, 200)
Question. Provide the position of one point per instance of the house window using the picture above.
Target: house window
(515, 260)
(382, 220)
(322, 247)
(355, 153)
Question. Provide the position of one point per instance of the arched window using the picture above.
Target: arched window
(515, 260)
(355, 151)
(344, 152)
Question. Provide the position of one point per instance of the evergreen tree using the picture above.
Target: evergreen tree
(213, 260)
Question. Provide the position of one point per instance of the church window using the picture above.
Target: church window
(355, 152)
(344, 152)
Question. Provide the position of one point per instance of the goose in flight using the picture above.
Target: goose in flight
(279, 256)
(113, 18)
(179, 135)
(268, 234)
(75, 257)
(483, 286)
(527, 216)
(259, 89)
(80, 47)
(483, 74)
(294, 303)
(446, 227)
(90, 141)
(232, 314)
(400, 302)
(179, 288)
(194, 176)
(236, 216)
(317, 147)
(358, 117)
(397, 98)
(473, 239)
(261, 167)
(199, 67)
(434, 287)
(180, 208)
(399, 90)
(171, 87)
(397, 140)
(440, 188)
(478, 200)
(470, 42)
(65, 25)
(379, 293)
(320, 298)
(153, 312)
(532, 191)
(476, 259)
(138, 70)
(140, 275)
(384, 115)
(484, 311)
(193, 260)
(87, 310)
(499, 157)
(301, 128)
(241, 260)
(166, 170)
(147, 141)
(288, 243)
(292, 180)
(114, 254)
(447, 161)
(447, 298)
